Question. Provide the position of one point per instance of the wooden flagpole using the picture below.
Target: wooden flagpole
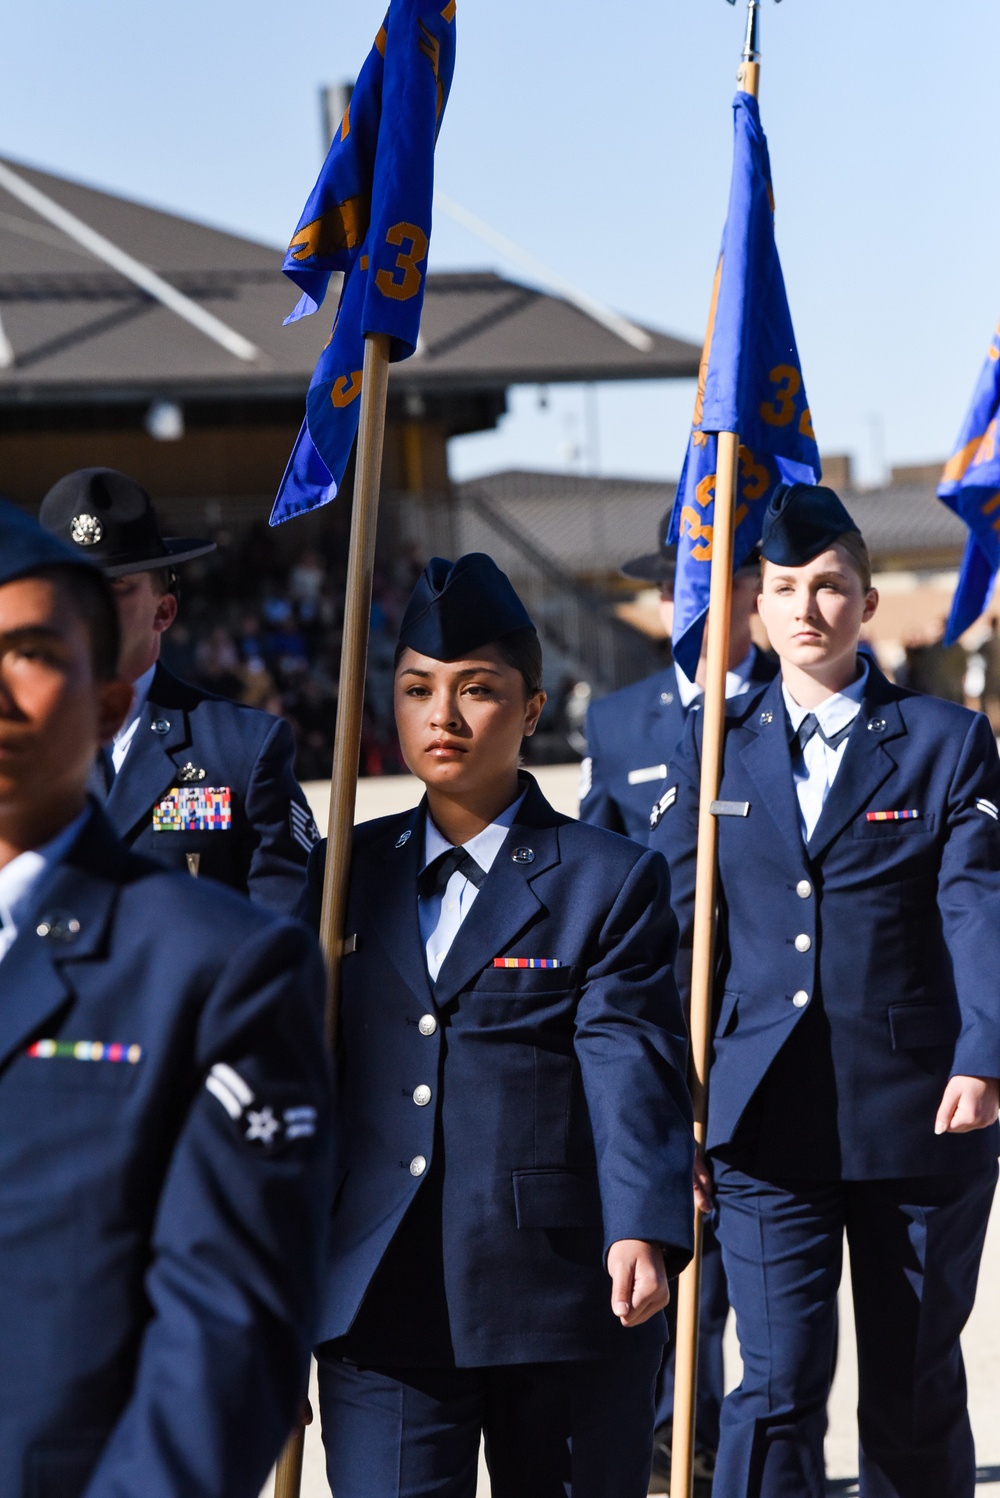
(703, 953)
(347, 734)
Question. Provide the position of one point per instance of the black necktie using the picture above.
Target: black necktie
(433, 880)
(810, 725)
(102, 774)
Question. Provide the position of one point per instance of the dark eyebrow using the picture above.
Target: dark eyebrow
(467, 671)
(28, 632)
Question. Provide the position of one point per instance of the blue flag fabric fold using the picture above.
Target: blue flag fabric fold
(750, 382)
(970, 485)
(369, 218)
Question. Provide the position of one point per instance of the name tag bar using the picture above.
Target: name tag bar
(730, 808)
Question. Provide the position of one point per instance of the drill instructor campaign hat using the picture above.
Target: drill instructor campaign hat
(109, 519)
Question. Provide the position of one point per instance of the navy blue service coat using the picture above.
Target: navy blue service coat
(500, 1129)
(191, 740)
(631, 739)
(858, 971)
(164, 1182)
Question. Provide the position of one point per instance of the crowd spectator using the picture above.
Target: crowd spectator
(266, 631)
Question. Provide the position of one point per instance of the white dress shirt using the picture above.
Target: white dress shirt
(123, 738)
(737, 680)
(19, 879)
(815, 768)
(441, 915)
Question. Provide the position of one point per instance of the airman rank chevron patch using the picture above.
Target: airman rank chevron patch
(526, 962)
(988, 808)
(662, 806)
(893, 816)
(194, 808)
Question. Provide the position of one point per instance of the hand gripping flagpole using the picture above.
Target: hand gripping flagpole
(347, 734)
(703, 950)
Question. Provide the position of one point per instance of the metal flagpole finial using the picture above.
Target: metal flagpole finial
(751, 47)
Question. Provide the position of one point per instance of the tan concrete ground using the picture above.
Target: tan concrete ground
(982, 1339)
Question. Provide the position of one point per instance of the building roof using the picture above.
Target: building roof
(82, 331)
(906, 524)
(594, 523)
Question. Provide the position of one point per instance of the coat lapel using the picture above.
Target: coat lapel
(507, 901)
(768, 762)
(665, 725)
(67, 921)
(866, 763)
(393, 902)
(149, 770)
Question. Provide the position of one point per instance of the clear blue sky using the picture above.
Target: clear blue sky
(599, 137)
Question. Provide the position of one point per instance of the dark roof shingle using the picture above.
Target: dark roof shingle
(82, 330)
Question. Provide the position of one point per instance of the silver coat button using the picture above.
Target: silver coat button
(422, 1095)
(427, 1024)
(418, 1165)
(800, 999)
(803, 942)
(803, 889)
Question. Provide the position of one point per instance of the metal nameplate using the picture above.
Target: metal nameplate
(730, 808)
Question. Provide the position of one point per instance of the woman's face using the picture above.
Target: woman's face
(813, 614)
(461, 723)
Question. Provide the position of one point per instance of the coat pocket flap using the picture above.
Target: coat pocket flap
(552, 1198)
(916, 1025)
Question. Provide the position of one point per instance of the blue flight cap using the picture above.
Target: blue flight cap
(25, 548)
(801, 521)
(458, 606)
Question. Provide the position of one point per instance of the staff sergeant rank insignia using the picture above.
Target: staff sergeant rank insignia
(194, 809)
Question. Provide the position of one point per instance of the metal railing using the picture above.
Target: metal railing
(574, 621)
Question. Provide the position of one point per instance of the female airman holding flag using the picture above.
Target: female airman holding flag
(514, 1125)
(857, 1032)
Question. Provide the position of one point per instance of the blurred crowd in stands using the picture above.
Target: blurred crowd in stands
(267, 632)
(970, 677)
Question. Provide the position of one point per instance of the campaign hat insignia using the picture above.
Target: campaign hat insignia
(86, 530)
(111, 517)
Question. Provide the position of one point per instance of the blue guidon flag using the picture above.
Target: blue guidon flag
(970, 485)
(369, 217)
(750, 381)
